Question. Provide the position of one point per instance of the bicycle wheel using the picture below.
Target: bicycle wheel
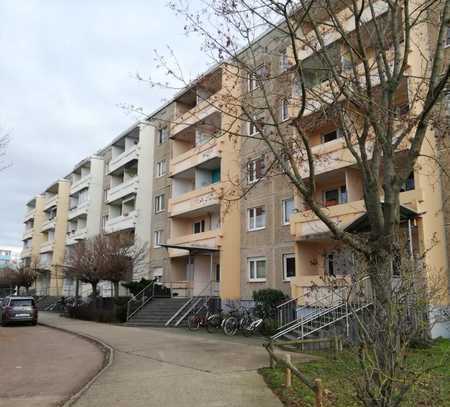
(194, 322)
(213, 323)
(230, 326)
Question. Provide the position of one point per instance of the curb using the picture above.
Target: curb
(107, 362)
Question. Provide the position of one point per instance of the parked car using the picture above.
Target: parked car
(18, 309)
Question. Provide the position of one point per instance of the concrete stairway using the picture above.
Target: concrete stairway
(43, 302)
(157, 312)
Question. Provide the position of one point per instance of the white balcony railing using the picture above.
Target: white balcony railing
(123, 158)
(28, 234)
(48, 224)
(26, 252)
(80, 184)
(47, 246)
(122, 190)
(29, 215)
(80, 209)
(76, 235)
(210, 239)
(123, 222)
(52, 201)
(200, 198)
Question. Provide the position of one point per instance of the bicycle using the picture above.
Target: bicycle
(215, 321)
(199, 318)
(246, 323)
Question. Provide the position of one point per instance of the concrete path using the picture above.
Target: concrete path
(41, 367)
(170, 367)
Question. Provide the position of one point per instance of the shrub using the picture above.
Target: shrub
(137, 286)
(100, 310)
(267, 300)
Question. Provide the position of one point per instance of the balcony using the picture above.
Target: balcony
(28, 234)
(80, 184)
(50, 202)
(79, 210)
(212, 239)
(48, 224)
(75, 236)
(122, 222)
(29, 215)
(305, 225)
(196, 201)
(123, 189)
(47, 246)
(26, 252)
(196, 156)
(123, 159)
(197, 113)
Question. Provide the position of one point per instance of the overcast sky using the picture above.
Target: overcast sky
(66, 67)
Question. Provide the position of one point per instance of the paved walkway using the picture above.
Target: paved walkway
(171, 367)
(42, 367)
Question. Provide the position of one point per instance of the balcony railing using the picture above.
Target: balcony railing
(199, 112)
(80, 209)
(48, 224)
(198, 199)
(26, 252)
(122, 222)
(76, 235)
(47, 246)
(28, 234)
(196, 156)
(29, 214)
(80, 184)
(212, 239)
(52, 201)
(123, 189)
(123, 158)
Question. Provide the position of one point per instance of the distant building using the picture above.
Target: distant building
(9, 256)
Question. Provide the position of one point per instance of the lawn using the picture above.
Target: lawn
(337, 375)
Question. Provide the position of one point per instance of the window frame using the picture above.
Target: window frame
(340, 194)
(252, 169)
(284, 110)
(286, 256)
(202, 224)
(161, 168)
(163, 135)
(157, 238)
(255, 260)
(253, 210)
(160, 208)
(285, 222)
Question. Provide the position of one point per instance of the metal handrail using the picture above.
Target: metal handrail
(145, 300)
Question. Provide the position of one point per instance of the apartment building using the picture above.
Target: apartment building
(53, 229)
(85, 206)
(32, 237)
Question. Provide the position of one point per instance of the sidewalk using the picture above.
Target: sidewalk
(168, 367)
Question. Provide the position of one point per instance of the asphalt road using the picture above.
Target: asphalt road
(40, 366)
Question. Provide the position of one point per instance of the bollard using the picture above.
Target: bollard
(318, 392)
(288, 371)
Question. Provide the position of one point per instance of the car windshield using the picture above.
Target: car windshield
(22, 303)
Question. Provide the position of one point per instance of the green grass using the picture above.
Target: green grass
(337, 376)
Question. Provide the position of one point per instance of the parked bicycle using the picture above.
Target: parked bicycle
(246, 322)
(199, 318)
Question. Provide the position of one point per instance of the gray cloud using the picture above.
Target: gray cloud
(66, 68)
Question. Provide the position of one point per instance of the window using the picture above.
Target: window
(259, 73)
(329, 264)
(157, 274)
(335, 196)
(257, 269)
(198, 227)
(447, 42)
(159, 203)
(284, 110)
(288, 266)
(409, 184)
(255, 169)
(161, 168)
(284, 61)
(162, 135)
(157, 238)
(333, 135)
(217, 272)
(297, 88)
(256, 218)
(287, 210)
(252, 129)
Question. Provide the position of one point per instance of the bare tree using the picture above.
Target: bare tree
(25, 276)
(376, 71)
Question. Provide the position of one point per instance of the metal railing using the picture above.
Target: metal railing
(341, 303)
(138, 301)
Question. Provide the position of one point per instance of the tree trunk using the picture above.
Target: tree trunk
(77, 290)
(94, 289)
(116, 289)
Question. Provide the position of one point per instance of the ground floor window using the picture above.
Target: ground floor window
(157, 273)
(257, 268)
(288, 266)
(217, 272)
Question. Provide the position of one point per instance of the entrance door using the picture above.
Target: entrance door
(202, 274)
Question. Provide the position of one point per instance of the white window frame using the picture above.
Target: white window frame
(284, 60)
(252, 129)
(447, 37)
(255, 260)
(160, 203)
(252, 173)
(284, 218)
(253, 228)
(339, 189)
(162, 135)
(284, 110)
(285, 257)
(157, 238)
(252, 79)
(202, 224)
(161, 168)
